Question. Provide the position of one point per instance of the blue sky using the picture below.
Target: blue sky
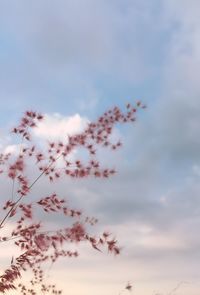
(68, 54)
(81, 57)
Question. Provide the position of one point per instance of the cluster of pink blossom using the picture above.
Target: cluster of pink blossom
(38, 246)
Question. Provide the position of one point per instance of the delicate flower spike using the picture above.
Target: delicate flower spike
(38, 243)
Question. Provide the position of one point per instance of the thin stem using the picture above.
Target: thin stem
(37, 178)
(20, 154)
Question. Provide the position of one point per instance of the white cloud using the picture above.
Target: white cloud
(58, 127)
(12, 148)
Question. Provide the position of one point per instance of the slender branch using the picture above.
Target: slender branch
(37, 178)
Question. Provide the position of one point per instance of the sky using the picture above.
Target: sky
(74, 59)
